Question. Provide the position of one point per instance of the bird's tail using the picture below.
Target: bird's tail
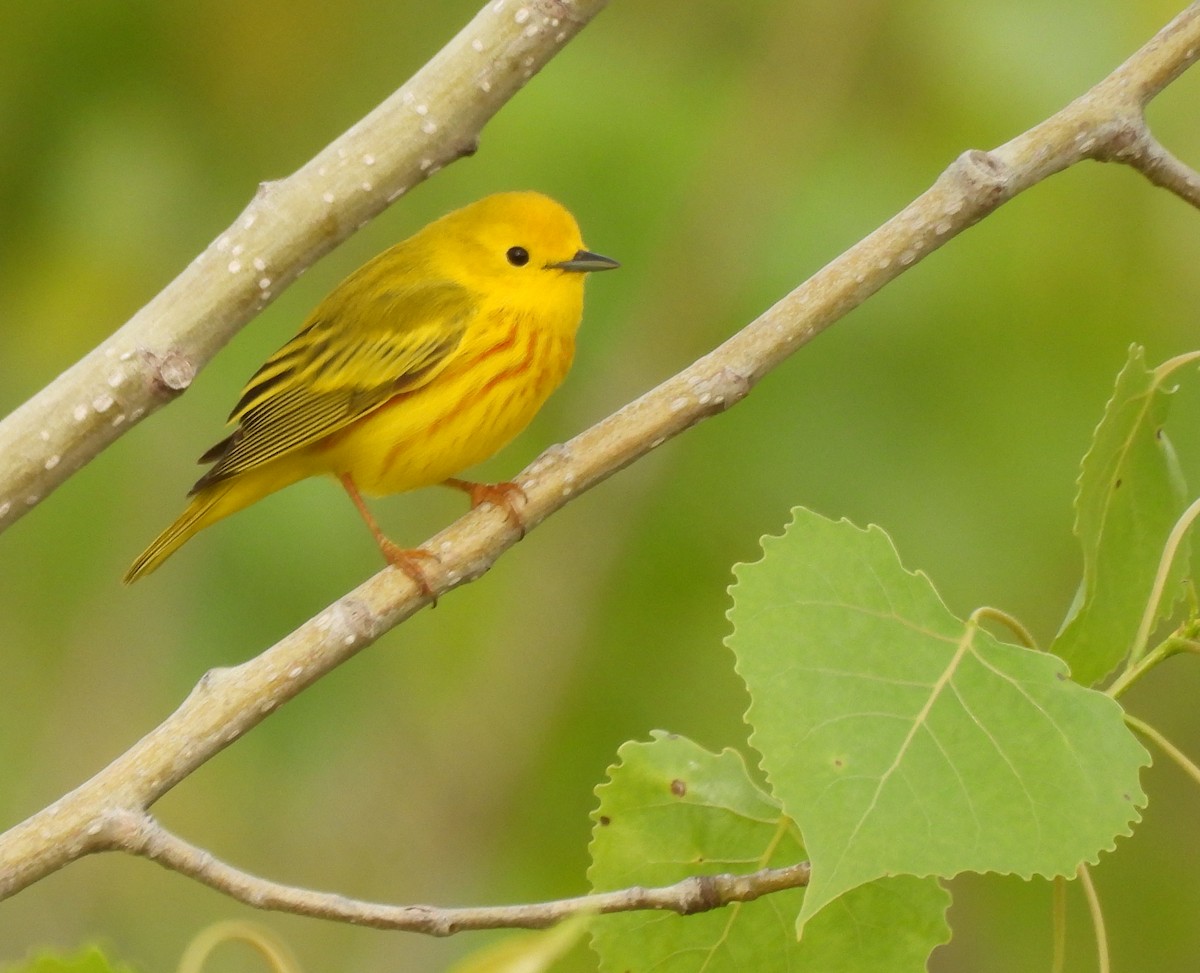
(206, 507)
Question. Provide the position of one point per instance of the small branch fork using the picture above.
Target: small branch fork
(108, 812)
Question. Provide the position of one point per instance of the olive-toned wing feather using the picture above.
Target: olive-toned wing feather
(336, 371)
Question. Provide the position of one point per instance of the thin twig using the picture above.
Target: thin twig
(1163, 169)
(228, 702)
(143, 835)
(432, 120)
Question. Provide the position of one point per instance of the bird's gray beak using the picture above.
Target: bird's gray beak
(585, 260)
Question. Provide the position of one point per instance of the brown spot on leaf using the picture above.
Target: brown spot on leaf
(678, 787)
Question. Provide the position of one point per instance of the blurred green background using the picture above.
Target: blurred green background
(723, 152)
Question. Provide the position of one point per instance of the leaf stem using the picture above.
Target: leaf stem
(1170, 549)
(1173, 364)
(1132, 673)
(1165, 745)
(272, 949)
(1059, 919)
(1186, 645)
(1011, 622)
(1160, 653)
(1093, 902)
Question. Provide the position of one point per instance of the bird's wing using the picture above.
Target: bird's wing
(336, 370)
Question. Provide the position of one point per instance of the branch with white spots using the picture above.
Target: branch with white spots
(431, 121)
(1107, 123)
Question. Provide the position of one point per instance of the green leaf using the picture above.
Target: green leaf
(89, 960)
(1131, 493)
(671, 810)
(904, 741)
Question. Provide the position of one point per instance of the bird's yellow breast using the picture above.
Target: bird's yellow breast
(499, 377)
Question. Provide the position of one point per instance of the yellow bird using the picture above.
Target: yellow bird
(423, 362)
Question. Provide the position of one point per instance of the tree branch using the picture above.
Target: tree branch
(141, 834)
(1158, 165)
(1102, 124)
(431, 121)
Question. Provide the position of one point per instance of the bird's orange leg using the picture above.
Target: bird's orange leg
(407, 559)
(503, 495)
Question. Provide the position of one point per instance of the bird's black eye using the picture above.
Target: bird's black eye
(517, 256)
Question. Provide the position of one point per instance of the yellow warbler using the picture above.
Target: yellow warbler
(426, 360)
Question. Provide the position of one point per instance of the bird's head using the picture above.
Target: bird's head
(520, 248)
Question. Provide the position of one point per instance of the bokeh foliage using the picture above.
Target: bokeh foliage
(722, 152)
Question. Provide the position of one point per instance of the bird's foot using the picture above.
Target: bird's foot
(506, 496)
(409, 560)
